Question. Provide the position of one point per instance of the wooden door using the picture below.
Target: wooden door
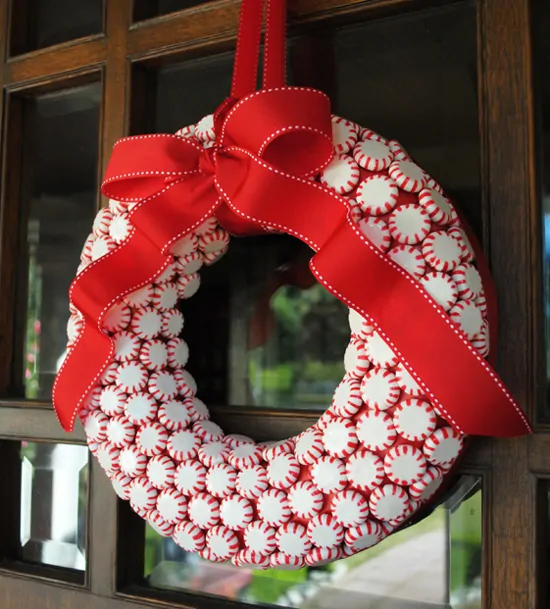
(464, 85)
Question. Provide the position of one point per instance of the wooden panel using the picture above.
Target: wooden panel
(63, 60)
(506, 119)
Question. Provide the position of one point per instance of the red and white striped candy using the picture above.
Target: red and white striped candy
(92, 399)
(318, 557)
(356, 362)
(96, 426)
(389, 502)
(127, 346)
(344, 134)
(278, 448)
(355, 212)
(198, 409)
(160, 471)
(207, 553)
(481, 303)
(177, 352)
(437, 205)
(141, 298)
(443, 446)
(234, 440)
(172, 505)
(441, 251)
(120, 431)
(190, 263)
(119, 229)
(158, 524)
(185, 246)
(121, 485)
(377, 195)
(329, 474)
(407, 175)
(162, 385)
(172, 324)
(441, 288)
(292, 539)
(409, 258)
(468, 281)
(406, 382)
(373, 155)
(246, 455)
(359, 325)
(214, 241)
(414, 420)
(208, 431)
(481, 341)
(375, 430)
(409, 224)
(236, 512)
(132, 462)
(212, 453)
(111, 400)
(369, 134)
(350, 508)
(458, 234)
(74, 327)
(252, 482)
(286, 562)
(174, 415)
(204, 510)
(273, 507)
(210, 258)
(468, 316)
(404, 464)
(131, 377)
(187, 132)
(309, 447)
(183, 445)
(283, 471)
(379, 389)
(250, 560)
(151, 439)
(379, 353)
(141, 408)
(108, 456)
(207, 226)
(204, 129)
(260, 538)
(341, 174)
(143, 495)
(377, 232)
(221, 480)
(325, 531)
(101, 246)
(86, 253)
(108, 376)
(190, 477)
(189, 537)
(102, 221)
(187, 387)
(365, 470)
(427, 485)
(340, 437)
(305, 499)
(166, 275)
(399, 153)
(166, 296)
(146, 323)
(364, 536)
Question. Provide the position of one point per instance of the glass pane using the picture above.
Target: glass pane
(145, 9)
(541, 16)
(54, 491)
(277, 338)
(436, 561)
(42, 23)
(58, 202)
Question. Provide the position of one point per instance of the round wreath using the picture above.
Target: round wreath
(386, 443)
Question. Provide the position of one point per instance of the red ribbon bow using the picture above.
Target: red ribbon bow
(268, 144)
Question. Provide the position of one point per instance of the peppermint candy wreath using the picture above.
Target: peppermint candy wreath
(391, 435)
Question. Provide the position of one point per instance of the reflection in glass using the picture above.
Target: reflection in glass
(435, 561)
(145, 9)
(42, 23)
(59, 200)
(54, 490)
(541, 13)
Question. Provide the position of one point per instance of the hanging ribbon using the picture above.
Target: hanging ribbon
(268, 143)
